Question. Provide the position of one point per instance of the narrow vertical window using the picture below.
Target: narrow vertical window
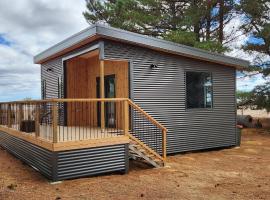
(43, 89)
(199, 90)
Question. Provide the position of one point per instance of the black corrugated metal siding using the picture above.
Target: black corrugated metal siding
(85, 162)
(161, 93)
(68, 164)
(31, 154)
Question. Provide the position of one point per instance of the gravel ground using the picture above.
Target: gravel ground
(235, 173)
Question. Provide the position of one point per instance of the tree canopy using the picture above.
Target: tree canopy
(196, 23)
(193, 23)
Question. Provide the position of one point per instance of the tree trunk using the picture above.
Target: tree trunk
(208, 21)
(196, 21)
(221, 21)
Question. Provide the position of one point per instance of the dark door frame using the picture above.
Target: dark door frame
(107, 104)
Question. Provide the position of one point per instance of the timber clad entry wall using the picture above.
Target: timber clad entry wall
(81, 77)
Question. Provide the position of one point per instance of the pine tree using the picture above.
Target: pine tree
(257, 27)
(195, 23)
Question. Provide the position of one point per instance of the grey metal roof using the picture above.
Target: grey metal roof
(140, 40)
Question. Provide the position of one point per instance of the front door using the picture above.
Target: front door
(110, 114)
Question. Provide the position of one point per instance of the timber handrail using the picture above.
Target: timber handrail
(147, 115)
(54, 110)
(156, 123)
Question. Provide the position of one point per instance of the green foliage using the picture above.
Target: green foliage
(212, 46)
(186, 22)
(258, 97)
(181, 37)
(257, 25)
(261, 96)
(244, 98)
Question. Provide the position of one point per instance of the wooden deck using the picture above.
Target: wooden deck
(70, 137)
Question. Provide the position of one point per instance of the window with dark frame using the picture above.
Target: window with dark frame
(199, 90)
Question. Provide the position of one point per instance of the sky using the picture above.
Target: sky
(31, 26)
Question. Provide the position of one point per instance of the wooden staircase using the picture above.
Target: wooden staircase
(147, 136)
(139, 150)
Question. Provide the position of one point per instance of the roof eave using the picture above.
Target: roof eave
(99, 31)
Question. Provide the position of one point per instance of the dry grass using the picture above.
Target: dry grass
(237, 173)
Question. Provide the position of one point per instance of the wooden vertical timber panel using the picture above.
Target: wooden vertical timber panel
(37, 118)
(82, 73)
(54, 122)
(102, 95)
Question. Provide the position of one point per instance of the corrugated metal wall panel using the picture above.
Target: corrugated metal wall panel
(161, 93)
(31, 154)
(68, 164)
(85, 162)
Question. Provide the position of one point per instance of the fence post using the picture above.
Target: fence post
(37, 128)
(9, 115)
(54, 121)
(102, 96)
(20, 115)
(164, 143)
(126, 117)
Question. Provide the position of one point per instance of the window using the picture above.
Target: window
(199, 90)
(43, 89)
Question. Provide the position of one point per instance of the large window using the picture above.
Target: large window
(199, 90)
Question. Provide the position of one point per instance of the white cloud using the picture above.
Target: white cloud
(31, 26)
(232, 31)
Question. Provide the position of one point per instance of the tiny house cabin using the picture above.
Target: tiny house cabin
(109, 95)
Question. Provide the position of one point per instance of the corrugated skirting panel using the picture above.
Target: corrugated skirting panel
(161, 93)
(31, 154)
(85, 162)
(68, 164)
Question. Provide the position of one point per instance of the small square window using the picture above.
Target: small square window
(199, 90)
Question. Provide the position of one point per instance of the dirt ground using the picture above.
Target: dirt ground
(235, 173)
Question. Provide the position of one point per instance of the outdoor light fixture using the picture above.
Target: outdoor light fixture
(153, 66)
(49, 69)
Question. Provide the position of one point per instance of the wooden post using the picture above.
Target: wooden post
(9, 116)
(102, 96)
(20, 115)
(126, 117)
(54, 121)
(37, 127)
(164, 143)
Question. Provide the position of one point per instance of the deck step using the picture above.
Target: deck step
(140, 150)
